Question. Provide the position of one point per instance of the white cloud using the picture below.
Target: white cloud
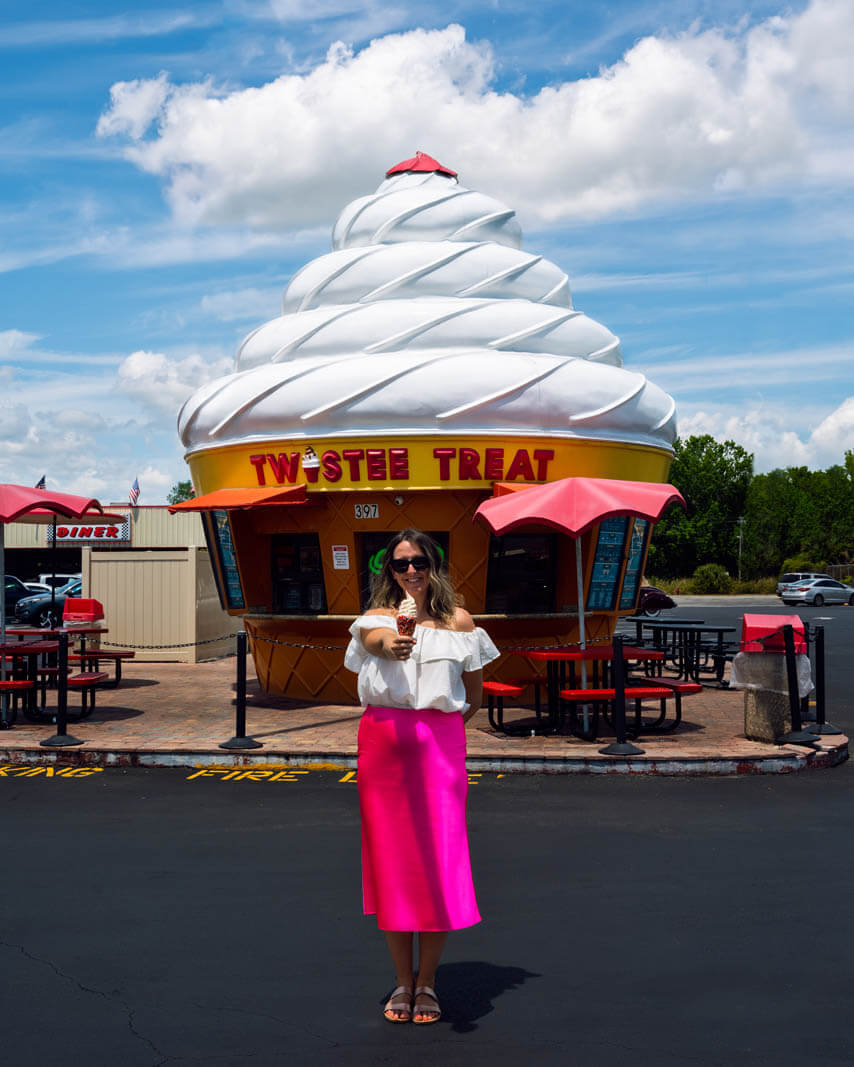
(14, 423)
(693, 373)
(66, 32)
(134, 105)
(241, 305)
(52, 416)
(155, 380)
(696, 115)
(768, 434)
(16, 342)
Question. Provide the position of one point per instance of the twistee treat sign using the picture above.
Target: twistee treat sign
(440, 465)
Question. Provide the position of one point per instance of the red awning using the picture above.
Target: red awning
(420, 162)
(20, 503)
(573, 505)
(94, 518)
(239, 499)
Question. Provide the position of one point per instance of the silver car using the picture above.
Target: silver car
(818, 591)
(793, 577)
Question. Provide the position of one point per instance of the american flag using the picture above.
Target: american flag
(133, 494)
(41, 484)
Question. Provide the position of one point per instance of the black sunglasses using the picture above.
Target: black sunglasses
(401, 566)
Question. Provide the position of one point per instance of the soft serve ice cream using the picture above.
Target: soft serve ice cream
(406, 612)
(428, 318)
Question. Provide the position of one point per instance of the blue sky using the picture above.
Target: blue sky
(164, 170)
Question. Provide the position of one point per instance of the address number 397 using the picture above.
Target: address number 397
(366, 511)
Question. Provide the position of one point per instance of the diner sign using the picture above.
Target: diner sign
(110, 533)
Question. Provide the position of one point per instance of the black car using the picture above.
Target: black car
(652, 601)
(43, 610)
(15, 590)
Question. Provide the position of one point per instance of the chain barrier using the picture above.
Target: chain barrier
(808, 635)
(590, 642)
(502, 648)
(262, 639)
(161, 648)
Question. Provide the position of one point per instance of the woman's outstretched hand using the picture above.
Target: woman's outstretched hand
(398, 647)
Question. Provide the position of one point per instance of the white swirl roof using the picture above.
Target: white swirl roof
(427, 317)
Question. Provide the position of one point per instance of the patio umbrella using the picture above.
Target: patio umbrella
(22, 503)
(573, 506)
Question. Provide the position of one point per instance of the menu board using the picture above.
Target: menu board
(607, 564)
(218, 530)
(297, 575)
(637, 549)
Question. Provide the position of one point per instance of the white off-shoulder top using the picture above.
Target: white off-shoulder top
(432, 677)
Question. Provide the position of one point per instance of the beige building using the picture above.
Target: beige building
(152, 574)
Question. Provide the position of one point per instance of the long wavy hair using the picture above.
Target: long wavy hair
(441, 596)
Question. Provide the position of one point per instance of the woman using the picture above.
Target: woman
(418, 693)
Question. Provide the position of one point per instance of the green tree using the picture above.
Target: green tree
(766, 532)
(799, 514)
(714, 478)
(179, 492)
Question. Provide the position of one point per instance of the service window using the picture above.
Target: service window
(221, 548)
(298, 587)
(607, 564)
(634, 564)
(371, 548)
(520, 577)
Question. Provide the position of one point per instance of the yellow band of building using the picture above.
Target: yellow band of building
(388, 462)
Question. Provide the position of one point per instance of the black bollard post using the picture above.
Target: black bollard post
(240, 740)
(798, 735)
(621, 747)
(821, 725)
(61, 739)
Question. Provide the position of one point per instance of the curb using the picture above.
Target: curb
(790, 759)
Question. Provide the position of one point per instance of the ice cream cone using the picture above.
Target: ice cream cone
(310, 465)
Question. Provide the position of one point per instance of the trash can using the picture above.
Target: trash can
(81, 612)
(760, 670)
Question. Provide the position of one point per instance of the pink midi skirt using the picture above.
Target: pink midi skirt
(416, 871)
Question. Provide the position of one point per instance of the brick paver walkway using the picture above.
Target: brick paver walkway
(171, 714)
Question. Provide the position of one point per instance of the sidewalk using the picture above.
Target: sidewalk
(175, 714)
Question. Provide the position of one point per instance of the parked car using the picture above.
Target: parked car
(14, 591)
(652, 601)
(791, 577)
(37, 587)
(56, 580)
(46, 610)
(818, 591)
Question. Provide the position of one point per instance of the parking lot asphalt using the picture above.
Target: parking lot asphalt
(203, 915)
(159, 917)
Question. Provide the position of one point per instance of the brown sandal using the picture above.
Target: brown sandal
(435, 1014)
(403, 1007)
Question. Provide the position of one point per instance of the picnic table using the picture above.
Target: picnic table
(687, 652)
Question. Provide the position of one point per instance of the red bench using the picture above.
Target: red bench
(90, 660)
(13, 687)
(662, 691)
(495, 694)
(536, 680)
(86, 682)
(46, 676)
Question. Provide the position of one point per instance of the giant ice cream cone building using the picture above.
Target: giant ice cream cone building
(424, 360)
